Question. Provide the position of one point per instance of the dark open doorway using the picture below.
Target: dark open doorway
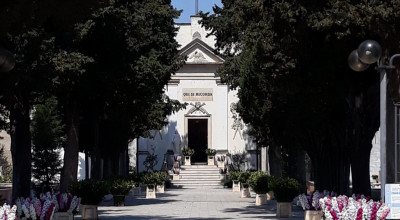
(198, 139)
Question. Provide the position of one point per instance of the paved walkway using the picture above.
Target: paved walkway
(199, 203)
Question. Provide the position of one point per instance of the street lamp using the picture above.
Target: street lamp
(7, 60)
(369, 52)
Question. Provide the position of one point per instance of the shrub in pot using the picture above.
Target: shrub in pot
(244, 180)
(234, 178)
(259, 182)
(119, 188)
(150, 179)
(162, 177)
(210, 156)
(188, 152)
(91, 192)
(285, 190)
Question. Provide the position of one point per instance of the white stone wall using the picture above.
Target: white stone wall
(375, 158)
(186, 30)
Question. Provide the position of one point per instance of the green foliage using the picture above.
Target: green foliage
(90, 190)
(211, 152)
(150, 178)
(295, 89)
(120, 185)
(259, 182)
(233, 175)
(6, 168)
(47, 140)
(162, 177)
(244, 177)
(238, 159)
(285, 188)
(188, 152)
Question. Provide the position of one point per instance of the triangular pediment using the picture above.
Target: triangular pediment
(198, 52)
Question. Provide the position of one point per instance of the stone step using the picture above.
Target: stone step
(194, 176)
(199, 173)
(197, 183)
(199, 178)
(207, 167)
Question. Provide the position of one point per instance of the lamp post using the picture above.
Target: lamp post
(7, 60)
(369, 52)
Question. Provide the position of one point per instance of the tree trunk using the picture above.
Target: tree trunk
(21, 150)
(275, 160)
(360, 170)
(330, 160)
(69, 172)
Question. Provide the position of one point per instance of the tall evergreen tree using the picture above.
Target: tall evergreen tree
(47, 140)
(289, 61)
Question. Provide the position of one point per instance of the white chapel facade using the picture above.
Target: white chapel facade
(210, 119)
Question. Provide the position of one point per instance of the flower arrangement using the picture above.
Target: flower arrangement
(311, 202)
(211, 152)
(7, 212)
(188, 152)
(221, 158)
(176, 170)
(47, 204)
(355, 207)
(177, 158)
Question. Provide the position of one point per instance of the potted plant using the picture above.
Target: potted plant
(187, 152)
(119, 188)
(135, 179)
(67, 206)
(233, 176)
(244, 180)
(91, 192)
(162, 177)
(222, 174)
(259, 182)
(285, 190)
(150, 179)
(310, 204)
(221, 161)
(210, 155)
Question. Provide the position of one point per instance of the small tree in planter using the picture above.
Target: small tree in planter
(150, 179)
(91, 192)
(285, 190)
(210, 155)
(162, 177)
(135, 178)
(119, 188)
(234, 177)
(187, 152)
(259, 182)
(244, 180)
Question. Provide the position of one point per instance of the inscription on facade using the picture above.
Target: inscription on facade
(202, 94)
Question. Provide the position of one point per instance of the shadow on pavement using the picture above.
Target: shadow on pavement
(267, 211)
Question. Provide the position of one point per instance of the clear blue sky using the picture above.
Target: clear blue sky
(188, 7)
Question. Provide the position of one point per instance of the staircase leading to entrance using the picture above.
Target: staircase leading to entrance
(195, 176)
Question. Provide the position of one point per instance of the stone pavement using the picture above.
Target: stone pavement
(192, 203)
